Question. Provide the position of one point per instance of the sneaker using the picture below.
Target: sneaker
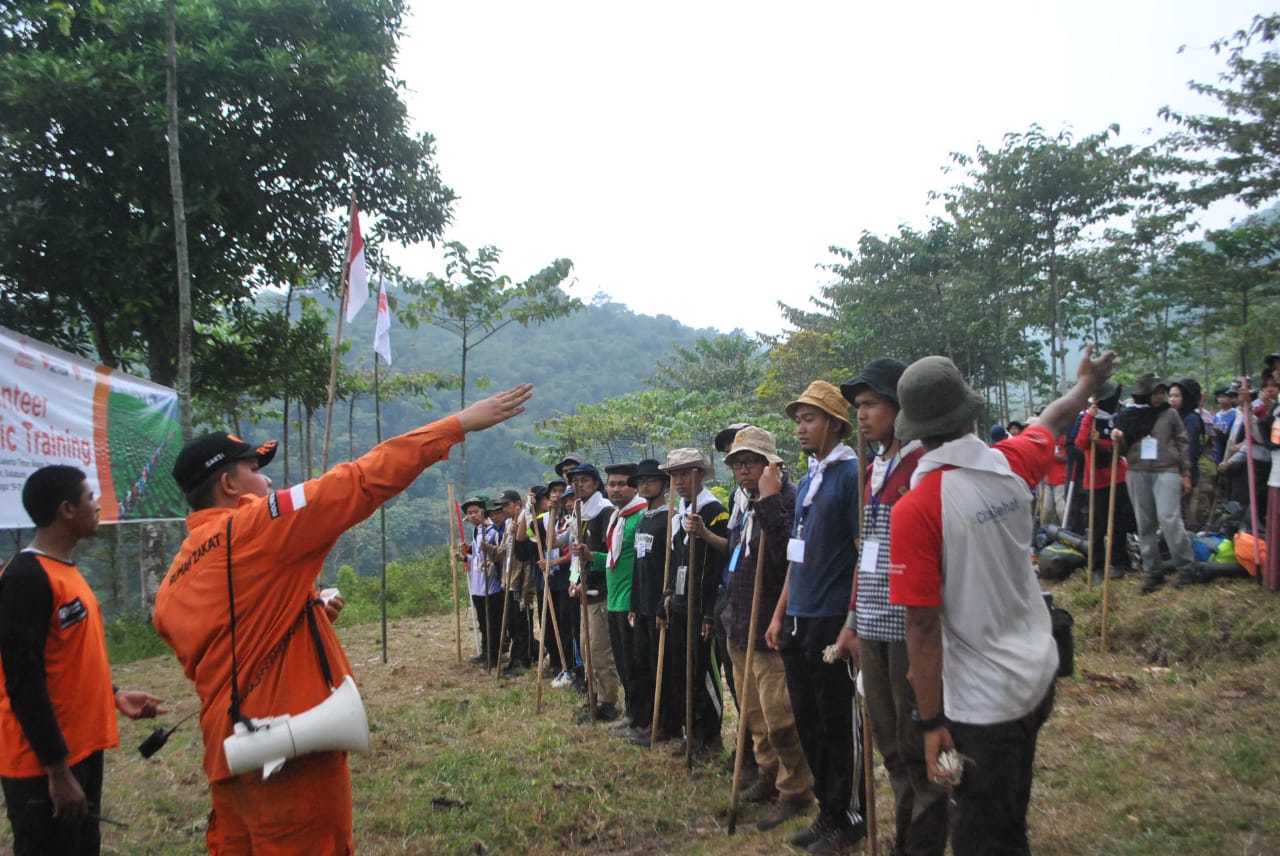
(815, 831)
(477, 660)
(838, 841)
(562, 680)
(1184, 578)
(762, 791)
(1151, 582)
(623, 729)
(786, 810)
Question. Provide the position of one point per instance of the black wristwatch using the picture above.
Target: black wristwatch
(933, 723)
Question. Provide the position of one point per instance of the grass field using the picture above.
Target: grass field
(1168, 744)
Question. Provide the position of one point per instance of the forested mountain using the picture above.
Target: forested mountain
(604, 351)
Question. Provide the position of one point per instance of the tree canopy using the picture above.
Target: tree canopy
(289, 108)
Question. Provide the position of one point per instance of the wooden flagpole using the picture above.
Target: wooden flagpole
(337, 339)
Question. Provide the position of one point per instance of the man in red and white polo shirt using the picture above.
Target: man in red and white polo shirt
(979, 639)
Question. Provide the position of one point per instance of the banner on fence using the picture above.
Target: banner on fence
(57, 408)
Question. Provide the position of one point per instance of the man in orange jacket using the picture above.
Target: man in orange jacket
(266, 548)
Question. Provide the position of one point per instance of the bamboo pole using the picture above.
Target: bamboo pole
(662, 631)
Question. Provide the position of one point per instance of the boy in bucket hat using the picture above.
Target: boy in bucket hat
(691, 593)
(875, 631)
(483, 579)
(988, 691)
(769, 509)
(811, 612)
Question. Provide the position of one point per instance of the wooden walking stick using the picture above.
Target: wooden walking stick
(689, 587)
(869, 771)
(662, 632)
(546, 603)
(1246, 408)
(1093, 456)
(868, 765)
(555, 620)
(508, 548)
(454, 544)
(1111, 523)
(745, 692)
(580, 531)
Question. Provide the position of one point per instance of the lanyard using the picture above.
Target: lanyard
(875, 497)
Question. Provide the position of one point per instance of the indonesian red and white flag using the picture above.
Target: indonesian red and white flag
(357, 275)
(382, 327)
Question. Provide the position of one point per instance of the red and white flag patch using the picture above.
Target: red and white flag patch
(287, 501)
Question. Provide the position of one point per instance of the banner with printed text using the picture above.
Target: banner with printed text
(57, 408)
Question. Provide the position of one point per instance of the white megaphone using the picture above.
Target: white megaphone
(336, 724)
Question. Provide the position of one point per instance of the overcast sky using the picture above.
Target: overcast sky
(698, 158)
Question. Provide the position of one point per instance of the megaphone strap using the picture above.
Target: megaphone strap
(308, 612)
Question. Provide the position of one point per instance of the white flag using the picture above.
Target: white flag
(357, 276)
(382, 327)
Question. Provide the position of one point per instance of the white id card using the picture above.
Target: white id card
(795, 550)
(681, 573)
(643, 542)
(870, 553)
(1149, 449)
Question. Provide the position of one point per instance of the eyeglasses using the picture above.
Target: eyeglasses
(746, 464)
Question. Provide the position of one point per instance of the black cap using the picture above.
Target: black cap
(510, 496)
(621, 469)
(202, 456)
(539, 491)
(880, 376)
(557, 481)
(648, 468)
(724, 439)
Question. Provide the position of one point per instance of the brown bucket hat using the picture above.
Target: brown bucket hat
(827, 398)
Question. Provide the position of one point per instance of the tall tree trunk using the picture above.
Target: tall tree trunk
(179, 221)
(151, 562)
(308, 470)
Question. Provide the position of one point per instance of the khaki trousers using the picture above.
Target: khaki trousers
(604, 672)
(766, 711)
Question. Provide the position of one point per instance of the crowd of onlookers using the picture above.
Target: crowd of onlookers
(1174, 469)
